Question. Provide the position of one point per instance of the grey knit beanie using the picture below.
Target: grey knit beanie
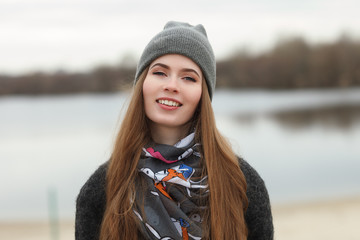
(185, 39)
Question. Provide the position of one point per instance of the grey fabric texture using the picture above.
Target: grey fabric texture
(184, 39)
(90, 206)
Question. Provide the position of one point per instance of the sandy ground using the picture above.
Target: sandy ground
(323, 220)
(35, 231)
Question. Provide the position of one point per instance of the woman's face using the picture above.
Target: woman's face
(172, 91)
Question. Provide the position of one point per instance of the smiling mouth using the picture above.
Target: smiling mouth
(169, 103)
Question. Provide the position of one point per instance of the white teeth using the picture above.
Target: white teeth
(169, 103)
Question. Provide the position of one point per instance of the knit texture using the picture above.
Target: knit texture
(90, 206)
(184, 39)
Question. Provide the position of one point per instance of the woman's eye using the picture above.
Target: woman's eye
(159, 73)
(190, 79)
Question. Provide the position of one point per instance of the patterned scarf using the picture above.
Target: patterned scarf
(170, 197)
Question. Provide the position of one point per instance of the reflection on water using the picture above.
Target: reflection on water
(57, 142)
(342, 117)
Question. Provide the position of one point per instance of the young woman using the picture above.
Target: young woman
(171, 174)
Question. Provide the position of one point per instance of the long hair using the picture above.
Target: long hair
(119, 221)
(224, 217)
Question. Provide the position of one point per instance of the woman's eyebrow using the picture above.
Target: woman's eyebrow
(183, 69)
(190, 70)
(161, 65)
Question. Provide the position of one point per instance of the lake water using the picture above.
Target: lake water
(305, 144)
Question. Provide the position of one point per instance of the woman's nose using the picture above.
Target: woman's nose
(172, 85)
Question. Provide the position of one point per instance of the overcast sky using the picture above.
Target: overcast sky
(77, 35)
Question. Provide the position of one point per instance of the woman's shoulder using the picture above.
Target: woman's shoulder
(256, 188)
(92, 194)
(95, 185)
(251, 175)
(258, 214)
(90, 205)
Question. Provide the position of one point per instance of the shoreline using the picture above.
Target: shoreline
(327, 219)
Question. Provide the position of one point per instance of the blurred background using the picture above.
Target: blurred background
(288, 99)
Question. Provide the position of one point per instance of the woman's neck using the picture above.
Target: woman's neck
(168, 135)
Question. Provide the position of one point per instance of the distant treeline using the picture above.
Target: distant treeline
(100, 80)
(292, 63)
